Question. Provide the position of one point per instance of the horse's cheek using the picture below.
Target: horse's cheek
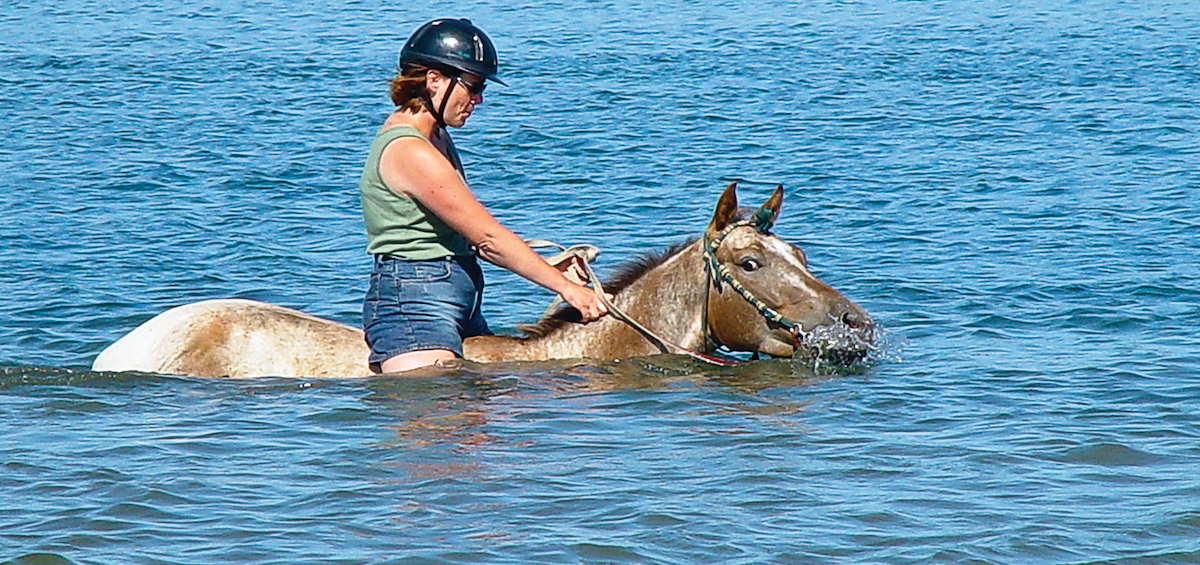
(735, 325)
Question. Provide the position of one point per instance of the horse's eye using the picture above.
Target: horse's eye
(749, 264)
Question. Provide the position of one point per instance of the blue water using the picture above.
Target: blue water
(1010, 188)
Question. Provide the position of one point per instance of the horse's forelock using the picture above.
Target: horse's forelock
(744, 213)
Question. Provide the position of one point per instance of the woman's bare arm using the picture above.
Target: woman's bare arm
(425, 175)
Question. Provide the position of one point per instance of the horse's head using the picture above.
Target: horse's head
(763, 297)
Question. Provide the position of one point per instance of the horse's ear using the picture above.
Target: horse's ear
(727, 206)
(772, 205)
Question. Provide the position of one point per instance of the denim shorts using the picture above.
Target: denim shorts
(416, 305)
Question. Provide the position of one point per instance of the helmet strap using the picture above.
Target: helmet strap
(440, 112)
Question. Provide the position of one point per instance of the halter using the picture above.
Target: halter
(762, 221)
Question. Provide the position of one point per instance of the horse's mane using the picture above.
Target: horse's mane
(625, 275)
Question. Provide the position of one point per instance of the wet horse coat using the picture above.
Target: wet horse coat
(674, 294)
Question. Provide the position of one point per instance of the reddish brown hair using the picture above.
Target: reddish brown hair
(408, 87)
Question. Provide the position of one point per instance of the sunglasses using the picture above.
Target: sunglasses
(474, 88)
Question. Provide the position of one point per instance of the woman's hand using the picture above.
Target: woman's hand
(586, 301)
(572, 268)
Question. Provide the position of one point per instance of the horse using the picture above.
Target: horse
(737, 287)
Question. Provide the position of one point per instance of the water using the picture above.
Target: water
(1009, 188)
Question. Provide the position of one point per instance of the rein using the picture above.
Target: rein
(587, 253)
(718, 274)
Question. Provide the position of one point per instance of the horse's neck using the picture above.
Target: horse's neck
(668, 300)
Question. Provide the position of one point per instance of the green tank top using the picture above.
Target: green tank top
(396, 224)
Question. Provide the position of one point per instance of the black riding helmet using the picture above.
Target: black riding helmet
(454, 46)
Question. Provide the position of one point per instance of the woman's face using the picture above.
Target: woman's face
(466, 94)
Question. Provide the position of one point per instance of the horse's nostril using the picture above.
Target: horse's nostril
(853, 320)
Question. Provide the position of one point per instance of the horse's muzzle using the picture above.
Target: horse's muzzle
(847, 341)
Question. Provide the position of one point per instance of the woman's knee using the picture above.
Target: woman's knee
(415, 360)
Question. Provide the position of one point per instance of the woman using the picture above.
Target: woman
(424, 226)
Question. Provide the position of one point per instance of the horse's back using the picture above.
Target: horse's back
(238, 338)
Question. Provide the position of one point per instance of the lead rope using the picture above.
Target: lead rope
(586, 254)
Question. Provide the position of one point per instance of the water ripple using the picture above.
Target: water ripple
(1009, 190)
